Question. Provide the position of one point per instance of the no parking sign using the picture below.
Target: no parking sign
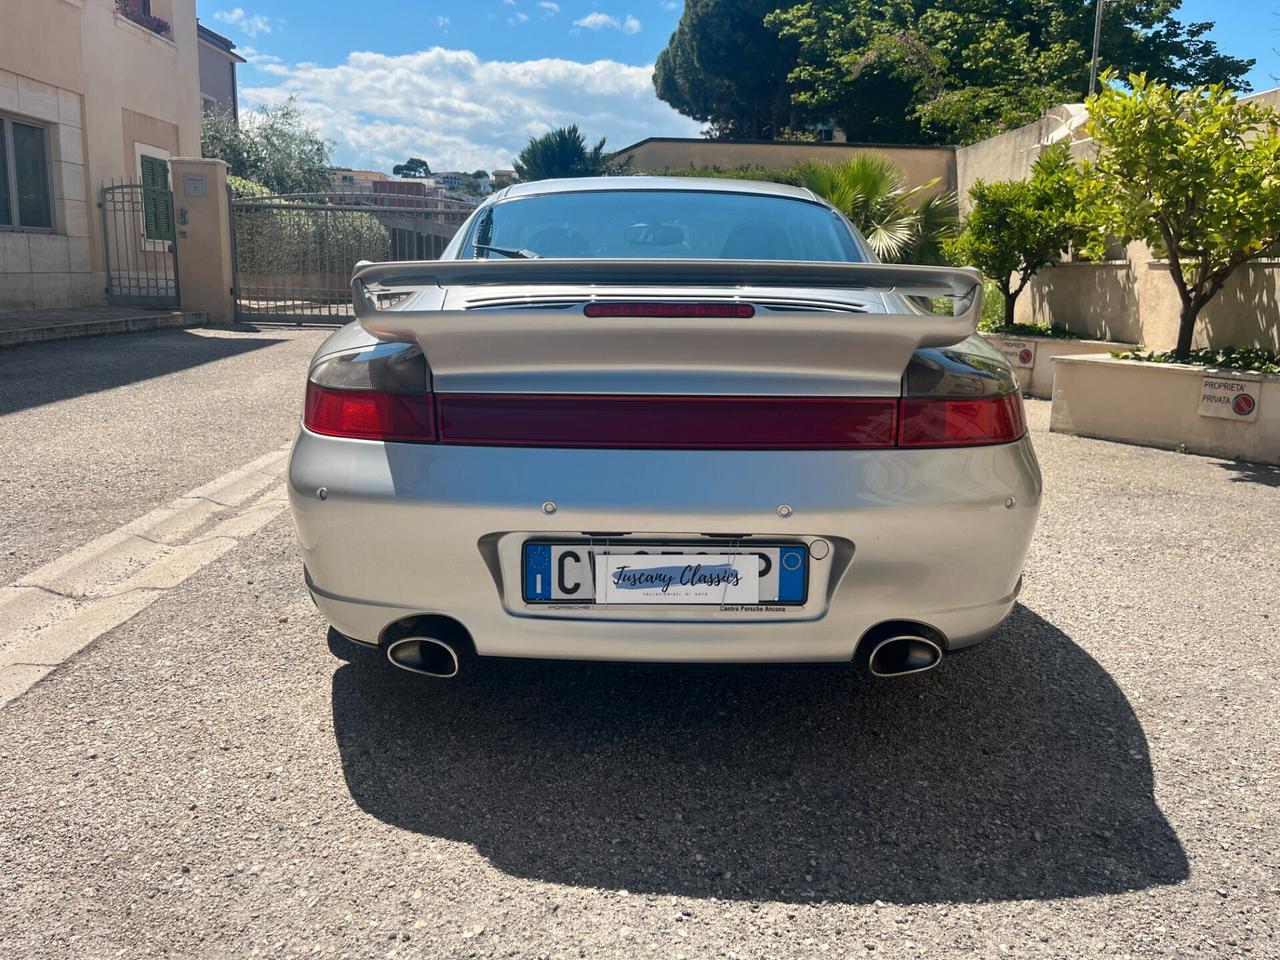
(1230, 398)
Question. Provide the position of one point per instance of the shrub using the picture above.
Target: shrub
(1016, 228)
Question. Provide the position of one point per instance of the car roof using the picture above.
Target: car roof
(640, 182)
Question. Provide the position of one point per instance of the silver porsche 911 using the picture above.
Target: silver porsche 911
(663, 419)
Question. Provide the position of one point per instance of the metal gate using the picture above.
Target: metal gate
(137, 242)
(294, 254)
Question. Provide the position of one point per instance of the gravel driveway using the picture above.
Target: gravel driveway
(1102, 779)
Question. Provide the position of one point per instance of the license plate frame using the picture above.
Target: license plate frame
(792, 593)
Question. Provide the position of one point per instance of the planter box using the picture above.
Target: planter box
(1032, 357)
(1168, 405)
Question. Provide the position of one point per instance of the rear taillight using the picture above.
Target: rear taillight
(370, 414)
(682, 423)
(662, 422)
(960, 422)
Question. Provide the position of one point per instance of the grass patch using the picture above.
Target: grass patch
(1251, 359)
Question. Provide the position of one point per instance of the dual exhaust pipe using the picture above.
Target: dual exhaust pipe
(896, 656)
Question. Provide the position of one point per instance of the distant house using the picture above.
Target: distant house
(452, 180)
(218, 61)
(346, 180)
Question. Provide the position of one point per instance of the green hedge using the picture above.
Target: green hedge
(273, 240)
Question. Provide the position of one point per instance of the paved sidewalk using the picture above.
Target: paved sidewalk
(30, 326)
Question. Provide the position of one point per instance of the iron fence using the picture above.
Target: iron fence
(294, 254)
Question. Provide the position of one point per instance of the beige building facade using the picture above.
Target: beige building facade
(920, 164)
(87, 96)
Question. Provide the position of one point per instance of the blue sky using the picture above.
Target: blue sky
(465, 84)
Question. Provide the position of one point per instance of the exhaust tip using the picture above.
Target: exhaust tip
(425, 655)
(902, 655)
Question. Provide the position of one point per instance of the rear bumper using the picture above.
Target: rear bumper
(919, 535)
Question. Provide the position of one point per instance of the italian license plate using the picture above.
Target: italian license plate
(668, 574)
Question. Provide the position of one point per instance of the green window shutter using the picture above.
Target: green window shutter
(157, 201)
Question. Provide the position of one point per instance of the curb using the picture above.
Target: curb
(94, 328)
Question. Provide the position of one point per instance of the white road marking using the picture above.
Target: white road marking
(59, 609)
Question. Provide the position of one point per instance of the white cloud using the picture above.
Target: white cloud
(443, 23)
(464, 113)
(548, 8)
(255, 58)
(518, 17)
(602, 21)
(598, 21)
(246, 24)
(669, 4)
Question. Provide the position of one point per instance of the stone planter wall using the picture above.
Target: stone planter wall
(1035, 374)
(1161, 405)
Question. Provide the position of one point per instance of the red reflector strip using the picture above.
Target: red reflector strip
(736, 310)
(946, 422)
(369, 415)
(655, 422)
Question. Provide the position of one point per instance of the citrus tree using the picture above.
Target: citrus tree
(1018, 227)
(1193, 173)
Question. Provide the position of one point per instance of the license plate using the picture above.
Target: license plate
(665, 574)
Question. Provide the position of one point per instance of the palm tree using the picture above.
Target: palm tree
(563, 153)
(901, 225)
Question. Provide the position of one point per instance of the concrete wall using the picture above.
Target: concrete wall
(1136, 300)
(1158, 405)
(100, 84)
(919, 164)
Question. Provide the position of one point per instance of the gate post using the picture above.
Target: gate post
(203, 237)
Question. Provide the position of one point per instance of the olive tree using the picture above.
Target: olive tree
(1193, 173)
(1016, 228)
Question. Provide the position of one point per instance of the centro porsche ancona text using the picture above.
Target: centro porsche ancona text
(708, 379)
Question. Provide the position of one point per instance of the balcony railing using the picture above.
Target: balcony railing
(139, 12)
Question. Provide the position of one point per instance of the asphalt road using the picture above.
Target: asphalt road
(213, 778)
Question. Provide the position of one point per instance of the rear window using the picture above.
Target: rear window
(662, 225)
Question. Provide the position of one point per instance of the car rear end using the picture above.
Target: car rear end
(670, 460)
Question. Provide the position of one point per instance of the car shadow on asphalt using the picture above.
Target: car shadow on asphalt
(1015, 771)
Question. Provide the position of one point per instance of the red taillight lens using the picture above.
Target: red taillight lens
(706, 423)
(733, 310)
(370, 414)
(662, 422)
(953, 422)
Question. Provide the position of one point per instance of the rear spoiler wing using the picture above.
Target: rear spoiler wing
(820, 350)
(963, 285)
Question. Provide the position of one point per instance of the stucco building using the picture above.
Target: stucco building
(88, 95)
(218, 62)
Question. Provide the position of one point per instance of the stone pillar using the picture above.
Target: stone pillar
(203, 237)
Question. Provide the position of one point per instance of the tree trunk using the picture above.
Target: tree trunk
(1010, 301)
(1186, 328)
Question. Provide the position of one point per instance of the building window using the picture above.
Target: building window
(157, 201)
(25, 193)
